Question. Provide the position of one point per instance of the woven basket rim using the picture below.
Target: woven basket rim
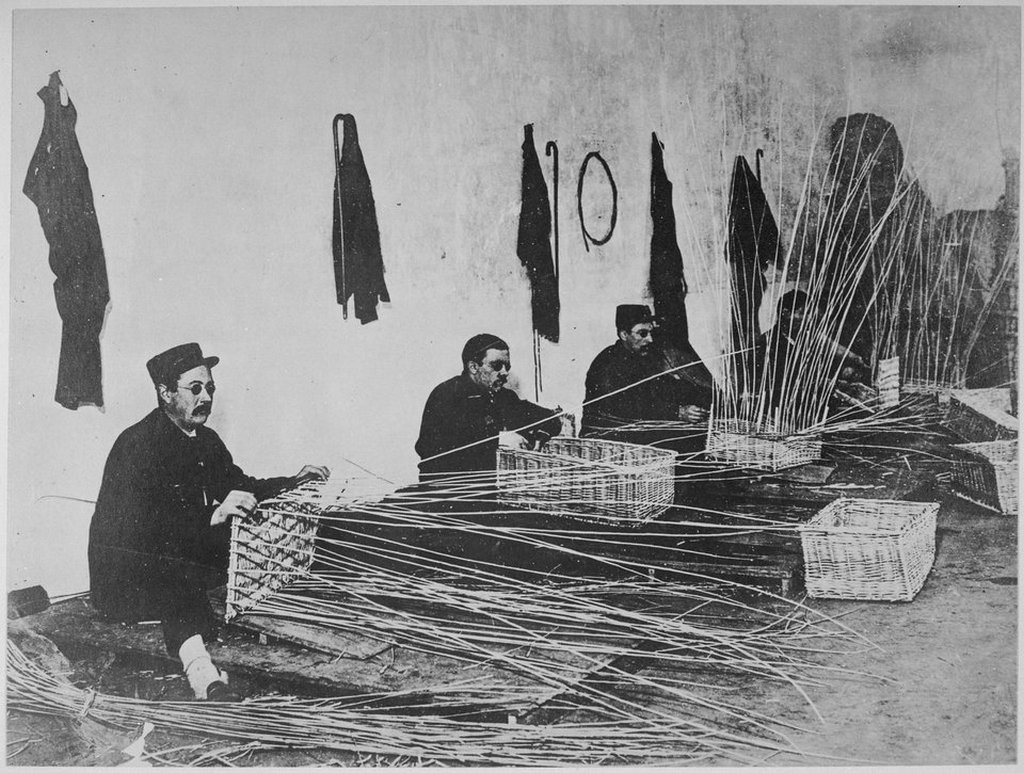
(658, 454)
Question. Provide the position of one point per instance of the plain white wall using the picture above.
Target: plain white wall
(208, 138)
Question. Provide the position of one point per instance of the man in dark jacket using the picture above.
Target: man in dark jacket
(627, 383)
(160, 534)
(467, 416)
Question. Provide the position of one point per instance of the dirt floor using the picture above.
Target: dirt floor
(946, 692)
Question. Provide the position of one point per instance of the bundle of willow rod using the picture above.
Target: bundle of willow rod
(935, 309)
(552, 627)
(791, 399)
(349, 724)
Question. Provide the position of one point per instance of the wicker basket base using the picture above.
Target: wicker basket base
(745, 444)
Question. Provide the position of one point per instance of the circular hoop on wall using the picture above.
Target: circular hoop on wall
(588, 238)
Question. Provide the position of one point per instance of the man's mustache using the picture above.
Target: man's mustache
(202, 410)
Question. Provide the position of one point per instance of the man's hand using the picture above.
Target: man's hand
(692, 414)
(512, 440)
(240, 503)
(312, 472)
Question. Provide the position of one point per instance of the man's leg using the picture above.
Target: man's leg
(188, 624)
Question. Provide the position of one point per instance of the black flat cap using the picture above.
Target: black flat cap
(167, 366)
(629, 314)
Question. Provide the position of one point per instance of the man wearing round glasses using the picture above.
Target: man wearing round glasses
(623, 386)
(160, 534)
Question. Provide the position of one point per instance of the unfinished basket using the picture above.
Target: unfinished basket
(271, 547)
(589, 479)
(982, 414)
(987, 474)
(888, 382)
(747, 444)
(869, 549)
(941, 390)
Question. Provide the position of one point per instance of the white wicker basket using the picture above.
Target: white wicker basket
(747, 444)
(589, 479)
(869, 549)
(988, 475)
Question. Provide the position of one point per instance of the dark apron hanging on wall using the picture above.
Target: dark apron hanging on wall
(668, 283)
(534, 243)
(58, 184)
(753, 246)
(358, 265)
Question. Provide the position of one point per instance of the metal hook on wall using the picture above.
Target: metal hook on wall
(551, 149)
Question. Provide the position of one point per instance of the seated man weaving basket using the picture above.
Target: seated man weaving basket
(160, 534)
(466, 416)
(793, 355)
(633, 386)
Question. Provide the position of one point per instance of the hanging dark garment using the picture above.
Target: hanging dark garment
(753, 246)
(358, 265)
(667, 283)
(58, 184)
(534, 245)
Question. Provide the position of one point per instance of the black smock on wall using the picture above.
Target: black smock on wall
(58, 184)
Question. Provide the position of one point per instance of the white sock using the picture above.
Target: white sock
(198, 666)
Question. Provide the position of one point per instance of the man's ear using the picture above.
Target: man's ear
(623, 335)
(164, 392)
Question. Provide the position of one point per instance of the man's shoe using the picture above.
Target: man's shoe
(223, 693)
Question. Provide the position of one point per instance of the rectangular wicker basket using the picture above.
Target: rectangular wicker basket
(747, 444)
(982, 414)
(589, 479)
(869, 549)
(987, 474)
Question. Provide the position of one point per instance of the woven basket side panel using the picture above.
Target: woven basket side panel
(589, 479)
(854, 566)
(977, 414)
(268, 550)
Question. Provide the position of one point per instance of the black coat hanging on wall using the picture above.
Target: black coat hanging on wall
(668, 282)
(668, 285)
(753, 246)
(358, 265)
(58, 184)
(534, 244)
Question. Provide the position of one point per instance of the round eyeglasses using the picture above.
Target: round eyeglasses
(197, 388)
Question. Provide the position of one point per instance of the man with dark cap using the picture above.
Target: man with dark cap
(628, 383)
(160, 534)
(467, 416)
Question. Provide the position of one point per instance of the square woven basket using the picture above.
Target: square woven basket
(869, 549)
(987, 474)
(982, 414)
(747, 444)
(589, 479)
